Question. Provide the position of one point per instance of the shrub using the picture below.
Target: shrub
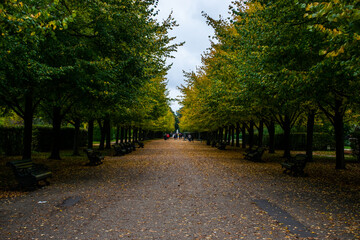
(11, 140)
(42, 138)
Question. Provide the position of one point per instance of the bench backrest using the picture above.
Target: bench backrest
(300, 159)
(20, 164)
(21, 168)
(88, 152)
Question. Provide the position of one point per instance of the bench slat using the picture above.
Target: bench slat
(29, 174)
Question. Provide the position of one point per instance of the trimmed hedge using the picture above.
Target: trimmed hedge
(42, 138)
(298, 141)
(11, 139)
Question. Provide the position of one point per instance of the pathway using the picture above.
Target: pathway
(172, 189)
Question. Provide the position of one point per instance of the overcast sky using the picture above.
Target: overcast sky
(192, 30)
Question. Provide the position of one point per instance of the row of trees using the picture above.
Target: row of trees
(285, 62)
(85, 61)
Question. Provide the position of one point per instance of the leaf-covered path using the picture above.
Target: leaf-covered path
(178, 190)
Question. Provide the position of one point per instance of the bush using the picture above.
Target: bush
(298, 141)
(11, 140)
(42, 138)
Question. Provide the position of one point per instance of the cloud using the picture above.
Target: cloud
(193, 30)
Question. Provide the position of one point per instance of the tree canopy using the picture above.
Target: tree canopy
(277, 61)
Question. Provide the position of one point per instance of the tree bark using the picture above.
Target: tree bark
(90, 134)
(76, 138)
(135, 134)
(339, 135)
(243, 133)
(107, 128)
(287, 130)
(232, 135)
(310, 135)
(122, 133)
(251, 134)
(125, 135)
(226, 134)
(221, 134)
(261, 133)
(102, 135)
(208, 138)
(271, 130)
(117, 134)
(237, 134)
(130, 134)
(28, 126)
(55, 151)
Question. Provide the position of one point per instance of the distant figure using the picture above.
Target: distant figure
(190, 137)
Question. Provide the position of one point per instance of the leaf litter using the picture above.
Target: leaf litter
(184, 190)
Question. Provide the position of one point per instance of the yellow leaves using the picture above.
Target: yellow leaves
(36, 16)
(356, 37)
(336, 53)
(309, 6)
(320, 27)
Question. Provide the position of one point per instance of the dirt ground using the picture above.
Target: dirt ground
(177, 189)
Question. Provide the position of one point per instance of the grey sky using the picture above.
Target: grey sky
(194, 31)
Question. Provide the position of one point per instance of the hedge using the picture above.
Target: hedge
(11, 139)
(42, 138)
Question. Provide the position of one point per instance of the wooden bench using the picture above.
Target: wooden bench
(95, 157)
(139, 144)
(128, 147)
(255, 155)
(119, 150)
(29, 174)
(221, 145)
(295, 165)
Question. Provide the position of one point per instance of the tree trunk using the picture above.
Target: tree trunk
(102, 135)
(287, 129)
(90, 134)
(208, 139)
(107, 128)
(226, 134)
(243, 137)
(251, 134)
(232, 136)
(261, 133)
(76, 138)
(237, 134)
(125, 134)
(271, 130)
(122, 133)
(130, 134)
(339, 135)
(28, 122)
(55, 151)
(117, 134)
(135, 134)
(221, 134)
(310, 135)
(141, 133)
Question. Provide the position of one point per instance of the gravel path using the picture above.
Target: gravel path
(169, 190)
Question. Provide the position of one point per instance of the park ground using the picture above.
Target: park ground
(177, 189)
